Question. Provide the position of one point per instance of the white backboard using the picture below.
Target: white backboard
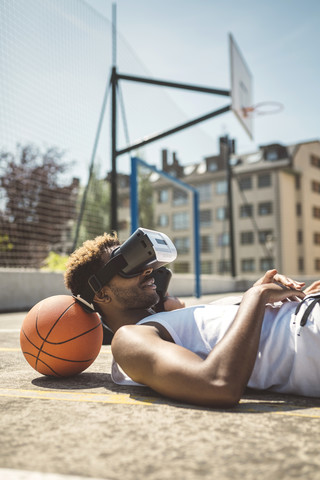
(241, 87)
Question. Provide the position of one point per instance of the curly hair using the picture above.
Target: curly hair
(86, 260)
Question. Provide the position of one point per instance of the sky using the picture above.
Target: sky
(187, 41)
(56, 59)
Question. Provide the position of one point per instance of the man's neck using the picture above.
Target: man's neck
(128, 317)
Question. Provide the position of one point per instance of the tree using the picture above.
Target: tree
(37, 206)
(95, 217)
(146, 206)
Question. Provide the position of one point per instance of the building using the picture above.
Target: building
(275, 210)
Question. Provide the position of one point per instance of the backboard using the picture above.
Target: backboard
(241, 87)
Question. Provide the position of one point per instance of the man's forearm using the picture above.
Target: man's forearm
(232, 360)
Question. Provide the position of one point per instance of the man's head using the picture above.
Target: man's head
(87, 260)
(135, 292)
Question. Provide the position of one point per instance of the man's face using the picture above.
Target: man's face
(135, 293)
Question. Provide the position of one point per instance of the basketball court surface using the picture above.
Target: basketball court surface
(87, 427)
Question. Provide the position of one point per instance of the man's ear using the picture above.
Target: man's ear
(102, 297)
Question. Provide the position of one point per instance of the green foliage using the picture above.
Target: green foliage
(5, 244)
(146, 206)
(55, 262)
(96, 214)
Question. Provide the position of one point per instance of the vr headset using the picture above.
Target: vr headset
(143, 249)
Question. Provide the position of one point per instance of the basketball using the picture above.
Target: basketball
(59, 338)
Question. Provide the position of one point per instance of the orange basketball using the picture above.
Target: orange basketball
(59, 338)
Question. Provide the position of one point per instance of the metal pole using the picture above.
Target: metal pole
(228, 150)
(114, 191)
(196, 237)
(134, 205)
(114, 80)
(160, 135)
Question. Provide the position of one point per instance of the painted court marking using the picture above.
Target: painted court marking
(57, 395)
(11, 474)
(130, 399)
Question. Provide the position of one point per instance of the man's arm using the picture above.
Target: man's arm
(174, 371)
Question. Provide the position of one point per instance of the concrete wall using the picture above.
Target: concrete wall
(21, 289)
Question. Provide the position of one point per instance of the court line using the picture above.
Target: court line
(12, 474)
(16, 349)
(127, 399)
(116, 398)
(9, 330)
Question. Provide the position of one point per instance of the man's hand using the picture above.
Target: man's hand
(172, 303)
(272, 276)
(313, 288)
(273, 292)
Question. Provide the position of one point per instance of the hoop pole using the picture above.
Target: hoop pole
(136, 161)
(184, 86)
(160, 135)
(134, 205)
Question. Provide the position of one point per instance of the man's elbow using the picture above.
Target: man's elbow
(225, 394)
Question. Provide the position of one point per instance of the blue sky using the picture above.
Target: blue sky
(56, 62)
(187, 41)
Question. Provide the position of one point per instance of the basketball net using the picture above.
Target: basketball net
(262, 108)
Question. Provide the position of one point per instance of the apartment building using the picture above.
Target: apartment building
(275, 210)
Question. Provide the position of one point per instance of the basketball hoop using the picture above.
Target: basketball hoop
(262, 108)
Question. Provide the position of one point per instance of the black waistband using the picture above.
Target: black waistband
(309, 308)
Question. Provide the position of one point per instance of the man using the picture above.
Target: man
(206, 354)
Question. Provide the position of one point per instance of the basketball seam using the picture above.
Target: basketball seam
(45, 339)
(73, 338)
(50, 354)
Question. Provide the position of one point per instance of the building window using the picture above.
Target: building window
(315, 161)
(300, 237)
(316, 212)
(266, 264)
(205, 218)
(298, 209)
(124, 202)
(221, 187)
(180, 197)
(123, 225)
(317, 264)
(163, 220)
(316, 238)
(315, 186)
(224, 266)
(246, 238)
(182, 245)
(163, 195)
(248, 265)
(265, 236)
(181, 267)
(212, 166)
(206, 267)
(222, 213)
(245, 183)
(264, 180)
(301, 264)
(204, 191)
(223, 239)
(265, 208)
(206, 243)
(298, 182)
(246, 210)
(180, 221)
(272, 155)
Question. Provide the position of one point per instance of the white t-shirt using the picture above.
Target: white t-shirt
(288, 359)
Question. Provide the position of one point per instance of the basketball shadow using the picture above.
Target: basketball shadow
(82, 381)
(88, 381)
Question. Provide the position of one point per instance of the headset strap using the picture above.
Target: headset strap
(97, 281)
